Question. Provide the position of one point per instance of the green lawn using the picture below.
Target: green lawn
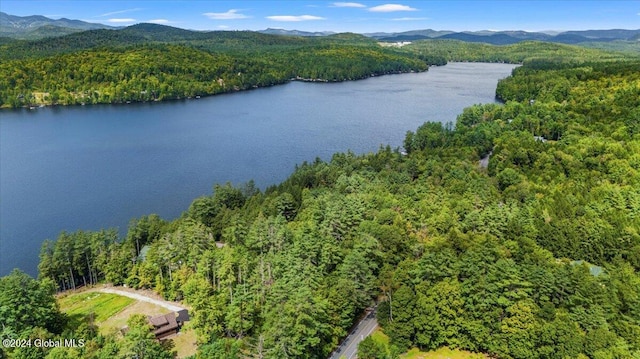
(379, 337)
(102, 305)
(441, 353)
(111, 311)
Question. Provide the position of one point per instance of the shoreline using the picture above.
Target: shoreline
(37, 105)
(235, 90)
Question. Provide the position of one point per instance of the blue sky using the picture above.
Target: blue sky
(354, 16)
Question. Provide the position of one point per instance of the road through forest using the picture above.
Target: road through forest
(349, 347)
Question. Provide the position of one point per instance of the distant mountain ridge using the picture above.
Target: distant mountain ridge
(512, 37)
(37, 26)
(147, 34)
(284, 32)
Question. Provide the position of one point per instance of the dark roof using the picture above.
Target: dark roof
(183, 316)
(159, 321)
(163, 324)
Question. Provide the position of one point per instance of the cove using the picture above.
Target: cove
(93, 167)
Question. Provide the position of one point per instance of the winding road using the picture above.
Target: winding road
(349, 347)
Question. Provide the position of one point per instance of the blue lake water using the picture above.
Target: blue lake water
(93, 167)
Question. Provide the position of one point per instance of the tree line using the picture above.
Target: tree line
(456, 50)
(154, 63)
(536, 256)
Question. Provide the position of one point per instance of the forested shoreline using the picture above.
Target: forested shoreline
(536, 256)
(154, 63)
(149, 62)
(162, 72)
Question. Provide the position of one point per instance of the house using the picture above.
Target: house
(164, 325)
(168, 324)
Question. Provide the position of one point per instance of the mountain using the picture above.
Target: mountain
(36, 26)
(416, 34)
(163, 33)
(494, 39)
(284, 32)
(40, 27)
(614, 34)
(146, 33)
(510, 37)
(523, 35)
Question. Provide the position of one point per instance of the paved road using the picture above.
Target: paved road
(349, 347)
(171, 306)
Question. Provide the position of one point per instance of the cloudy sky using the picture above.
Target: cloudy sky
(356, 16)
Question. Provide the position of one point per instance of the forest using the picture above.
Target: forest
(149, 62)
(535, 256)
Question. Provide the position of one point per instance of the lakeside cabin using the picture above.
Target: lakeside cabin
(168, 324)
(164, 325)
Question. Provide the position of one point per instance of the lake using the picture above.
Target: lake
(93, 167)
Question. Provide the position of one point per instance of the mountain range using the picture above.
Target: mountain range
(511, 37)
(38, 27)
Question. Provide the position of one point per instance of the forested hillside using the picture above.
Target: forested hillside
(536, 256)
(37, 27)
(149, 62)
(455, 50)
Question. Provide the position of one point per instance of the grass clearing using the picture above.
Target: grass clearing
(119, 320)
(101, 305)
(379, 337)
(185, 342)
(442, 353)
(111, 312)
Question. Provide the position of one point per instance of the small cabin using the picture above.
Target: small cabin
(164, 325)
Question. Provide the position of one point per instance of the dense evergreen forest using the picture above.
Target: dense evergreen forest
(152, 62)
(455, 50)
(535, 256)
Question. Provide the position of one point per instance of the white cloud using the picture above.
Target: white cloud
(391, 8)
(410, 19)
(347, 4)
(290, 18)
(223, 27)
(159, 21)
(121, 21)
(232, 14)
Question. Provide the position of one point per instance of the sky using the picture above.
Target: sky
(344, 16)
